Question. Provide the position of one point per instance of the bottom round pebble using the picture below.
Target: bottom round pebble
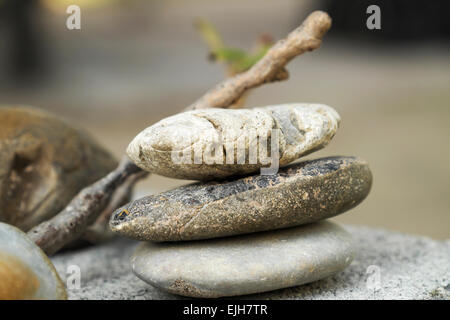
(245, 264)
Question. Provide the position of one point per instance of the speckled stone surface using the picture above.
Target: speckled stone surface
(206, 144)
(410, 267)
(245, 264)
(300, 193)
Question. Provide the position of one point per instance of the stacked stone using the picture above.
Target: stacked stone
(252, 232)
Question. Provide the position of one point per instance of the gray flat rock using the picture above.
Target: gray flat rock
(300, 193)
(245, 264)
(410, 267)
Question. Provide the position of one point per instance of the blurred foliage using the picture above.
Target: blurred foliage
(235, 60)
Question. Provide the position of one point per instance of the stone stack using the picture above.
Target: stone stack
(251, 232)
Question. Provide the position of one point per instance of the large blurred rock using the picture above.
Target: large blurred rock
(44, 162)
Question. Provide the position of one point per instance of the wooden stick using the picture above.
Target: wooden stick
(82, 211)
(270, 68)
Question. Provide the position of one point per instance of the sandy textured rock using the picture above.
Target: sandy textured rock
(300, 193)
(213, 139)
(44, 162)
(25, 271)
(411, 267)
(246, 264)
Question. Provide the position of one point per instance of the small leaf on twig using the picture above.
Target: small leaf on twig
(209, 34)
(236, 60)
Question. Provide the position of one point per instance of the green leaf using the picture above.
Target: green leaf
(230, 55)
(250, 60)
(209, 35)
(237, 60)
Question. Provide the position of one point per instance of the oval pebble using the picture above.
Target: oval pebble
(245, 264)
(206, 144)
(300, 193)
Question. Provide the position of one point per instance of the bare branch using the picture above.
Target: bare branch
(270, 68)
(82, 211)
(99, 231)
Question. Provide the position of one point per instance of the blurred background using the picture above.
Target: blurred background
(136, 61)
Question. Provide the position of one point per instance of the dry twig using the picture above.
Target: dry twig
(99, 231)
(89, 204)
(82, 211)
(270, 68)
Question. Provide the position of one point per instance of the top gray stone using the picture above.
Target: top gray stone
(206, 144)
(410, 267)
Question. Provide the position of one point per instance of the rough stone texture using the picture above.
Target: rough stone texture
(300, 193)
(412, 267)
(44, 162)
(218, 137)
(245, 264)
(25, 270)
